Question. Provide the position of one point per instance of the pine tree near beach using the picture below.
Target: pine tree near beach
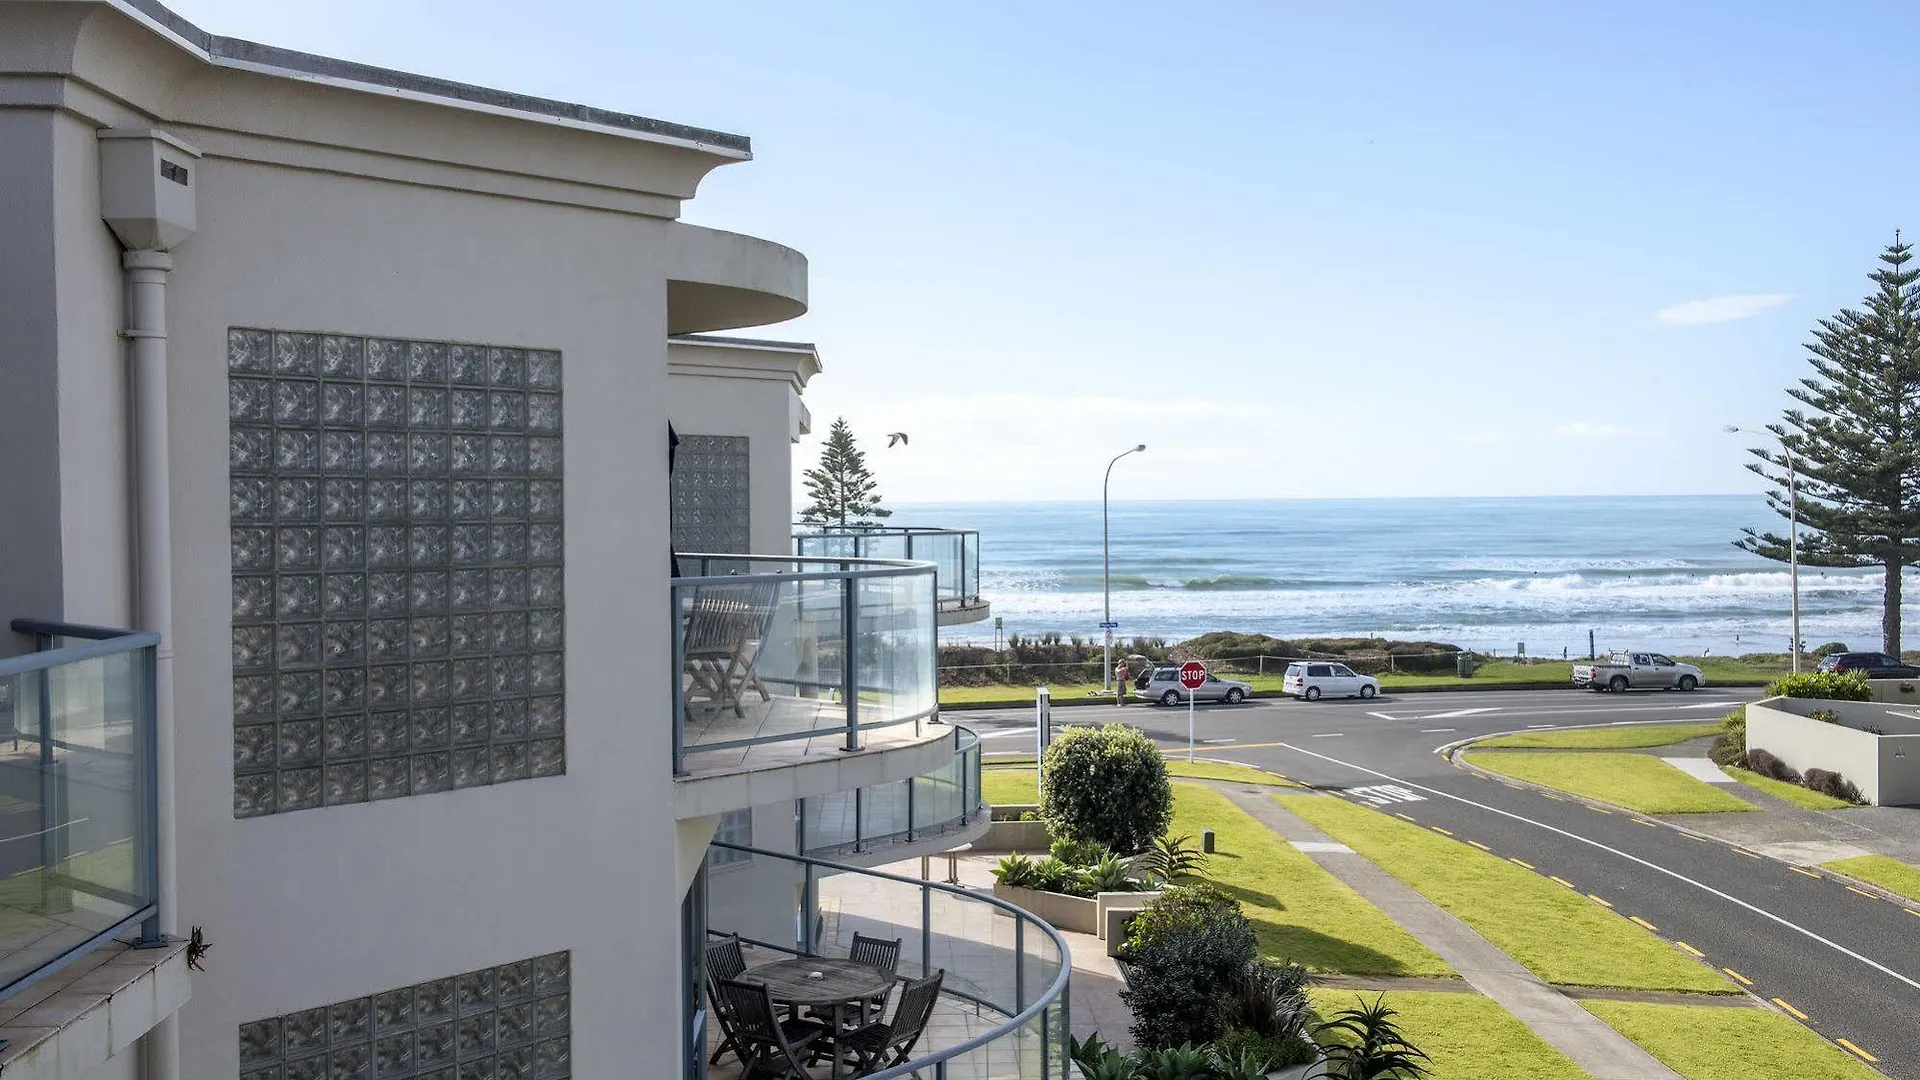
(842, 490)
(1856, 445)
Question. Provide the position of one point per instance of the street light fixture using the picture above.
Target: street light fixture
(1106, 568)
(1793, 528)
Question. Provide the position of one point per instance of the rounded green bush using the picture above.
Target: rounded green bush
(1827, 685)
(1106, 786)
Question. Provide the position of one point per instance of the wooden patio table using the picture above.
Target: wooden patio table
(841, 983)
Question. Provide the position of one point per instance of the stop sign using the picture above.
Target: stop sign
(1193, 674)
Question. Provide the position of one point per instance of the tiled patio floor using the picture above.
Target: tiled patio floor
(823, 723)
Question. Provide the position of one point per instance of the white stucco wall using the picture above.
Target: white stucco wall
(1884, 763)
(746, 391)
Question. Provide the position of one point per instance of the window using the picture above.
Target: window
(1294, 671)
(736, 827)
(1662, 661)
(1343, 671)
(1641, 659)
(1321, 671)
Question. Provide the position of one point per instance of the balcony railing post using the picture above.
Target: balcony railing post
(926, 931)
(809, 906)
(677, 631)
(849, 631)
(859, 819)
(146, 711)
(1019, 964)
(52, 795)
(910, 782)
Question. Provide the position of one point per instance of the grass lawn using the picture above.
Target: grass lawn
(1555, 932)
(1606, 738)
(1891, 874)
(1003, 784)
(1705, 1042)
(1805, 798)
(1301, 912)
(1636, 781)
(1469, 1037)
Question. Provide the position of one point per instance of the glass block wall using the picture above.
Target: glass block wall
(711, 509)
(511, 1022)
(397, 548)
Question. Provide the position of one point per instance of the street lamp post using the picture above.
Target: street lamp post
(1793, 533)
(1106, 570)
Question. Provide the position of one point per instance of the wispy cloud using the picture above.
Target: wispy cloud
(1583, 429)
(1719, 309)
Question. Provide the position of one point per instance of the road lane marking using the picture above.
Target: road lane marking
(1596, 809)
(1521, 862)
(1441, 831)
(1648, 824)
(1864, 1056)
(1555, 798)
(1436, 730)
(1795, 1013)
(1737, 977)
(1643, 922)
(1597, 900)
(1400, 815)
(1458, 713)
(1479, 845)
(1748, 854)
(1655, 867)
(1691, 949)
(1386, 794)
(1561, 880)
(1382, 716)
(1532, 726)
(1862, 892)
(1809, 873)
(1331, 735)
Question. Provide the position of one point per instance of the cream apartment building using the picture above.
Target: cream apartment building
(346, 625)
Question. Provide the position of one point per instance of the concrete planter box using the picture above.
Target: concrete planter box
(1873, 744)
(1074, 913)
(1015, 836)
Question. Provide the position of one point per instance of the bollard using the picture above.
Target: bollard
(1206, 841)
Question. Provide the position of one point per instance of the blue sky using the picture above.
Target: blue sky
(1298, 248)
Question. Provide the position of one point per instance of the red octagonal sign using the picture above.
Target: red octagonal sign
(1193, 674)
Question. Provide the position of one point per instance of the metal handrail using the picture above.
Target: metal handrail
(1055, 992)
(103, 641)
(965, 740)
(868, 568)
(965, 554)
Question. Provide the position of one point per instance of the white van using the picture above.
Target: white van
(1314, 679)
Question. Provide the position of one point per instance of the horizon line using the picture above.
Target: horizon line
(1328, 498)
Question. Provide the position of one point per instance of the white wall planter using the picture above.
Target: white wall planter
(1015, 836)
(1075, 913)
(1874, 744)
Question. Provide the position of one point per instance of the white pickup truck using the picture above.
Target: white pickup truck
(1638, 671)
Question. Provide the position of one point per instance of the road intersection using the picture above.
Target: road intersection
(1844, 961)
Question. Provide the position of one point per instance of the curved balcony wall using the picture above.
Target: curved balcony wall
(954, 553)
(934, 811)
(1004, 1008)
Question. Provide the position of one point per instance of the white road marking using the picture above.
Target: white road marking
(1708, 705)
(1330, 735)
(1386, 794)
(1321, 847)
(1702, 886)
(1216, 742)
(1458, 712)
(1004, 734)
(1382, 716)
(1436, 730)
(1700, 769)
(1539, 725)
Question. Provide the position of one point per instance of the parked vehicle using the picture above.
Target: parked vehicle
(1312, 681)
(1162, 684)
(1638, 671)
(1876, 665)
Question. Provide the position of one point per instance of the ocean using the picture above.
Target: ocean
(1489, 574)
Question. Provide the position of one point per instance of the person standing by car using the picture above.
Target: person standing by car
(1122, 682)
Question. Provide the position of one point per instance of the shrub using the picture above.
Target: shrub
(1101, 1060)
(1764, 763)
(1825, 716)
(1052, 875)
(1110, 875)
(1365, 1043)
(1015, 871)
(1272, 1051)
(1107, 786)
(1183, 1062)
(1078, 852)
(1250, 1063)
(1828, 685)
(1830, 648)
(1833, 784)
(1186, 952)
(1272, 1002)
(1030, 815)
(1730, 746)
(1170, 859)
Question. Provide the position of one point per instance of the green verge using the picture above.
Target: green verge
(1554, 932)
(1805, 798)
(1705, 1042)
(1636, 781)
(1300, 912)
(1606, 738)
(1890, 874)
(1013, 784)
(1469, 1037)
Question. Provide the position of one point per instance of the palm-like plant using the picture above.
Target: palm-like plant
(1110, 875)
(1248, 1064)
(1365, 1044)
(1170, 859)
(1183, 1062)
(1101, 1060)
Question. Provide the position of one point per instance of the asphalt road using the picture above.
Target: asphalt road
(1845, 963)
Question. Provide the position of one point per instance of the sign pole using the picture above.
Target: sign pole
(1193, 675)
(1042, 717)
(1192, 694)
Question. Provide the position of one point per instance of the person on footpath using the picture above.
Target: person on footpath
(1121, 678)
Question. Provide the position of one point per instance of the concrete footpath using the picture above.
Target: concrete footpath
(1587, 1041)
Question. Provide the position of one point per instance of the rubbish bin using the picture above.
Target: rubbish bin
(1463, 664)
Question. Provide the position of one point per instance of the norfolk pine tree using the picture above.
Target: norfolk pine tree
(842, 490)
(1855, 446)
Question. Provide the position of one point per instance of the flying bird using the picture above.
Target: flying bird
(899, 437)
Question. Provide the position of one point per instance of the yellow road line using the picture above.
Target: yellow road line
(1561, 880)
(1645, 923)
(1737, 977)
(1648, 824)
(1862, 892)
(1690, 949)
(1795, 1013)
(1440, 830)
(1809, 873)
(1401, 815)
(1597, 810)
(1479, 845)
(1555, 798)
(1910, 911)
(1597, 900)
(1864, 1056)
(1747, 853)
(1530, 866)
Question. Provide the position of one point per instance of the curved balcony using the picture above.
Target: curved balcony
(900, 819)
(1004, 1008)
(954, 553)
(801, 677)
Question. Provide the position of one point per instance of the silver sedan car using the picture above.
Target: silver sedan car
(1162, 684)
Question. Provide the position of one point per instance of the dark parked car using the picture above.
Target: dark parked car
(1877, 665)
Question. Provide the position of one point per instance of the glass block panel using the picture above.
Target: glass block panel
(710, 506)
(396, 551)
